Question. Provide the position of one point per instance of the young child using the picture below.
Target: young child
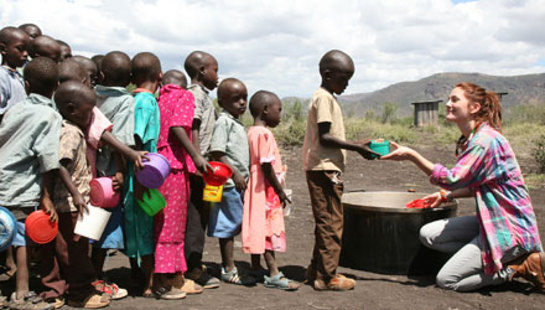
(263, 229)
(115, 102)
(13, 44)
(29, 158)
(175, 77)
(32, 30)
(202, 69)
(91, 68)
(45, 46)
(97, 59)
(177, 108)
(146, 75)
(229, 144)
(323, 162)
(66, 51)
(75, 102)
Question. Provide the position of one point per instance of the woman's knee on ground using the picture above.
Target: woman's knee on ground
(447, 280)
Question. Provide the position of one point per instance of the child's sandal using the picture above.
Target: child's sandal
(233, 277)
(281, 282)
(168, 294)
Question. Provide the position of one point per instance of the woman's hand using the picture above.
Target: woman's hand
(433, 200)
(400, 153)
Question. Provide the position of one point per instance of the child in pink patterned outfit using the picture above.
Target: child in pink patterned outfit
(263, 229)
(176, 106)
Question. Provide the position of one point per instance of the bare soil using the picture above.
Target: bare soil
(373, 291)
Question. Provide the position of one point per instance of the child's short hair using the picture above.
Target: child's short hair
(97, 59)
(176, 77)
(8, 34)
(259, 100)
(332, 59)
(44, 46)
(71, 70)
(42, 74)
(32, 30)
(223, 88)
(145, 67)
(116, 67)
(194, 61)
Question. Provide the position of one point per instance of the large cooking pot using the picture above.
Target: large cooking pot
(381, 234)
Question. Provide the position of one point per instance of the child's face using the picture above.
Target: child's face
(82, 114)
(338, 79)
(235, 100)
(210, 73)
(15, 52)
(273, 113)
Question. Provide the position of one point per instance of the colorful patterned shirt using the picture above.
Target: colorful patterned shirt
(73, 148)
(488, 167)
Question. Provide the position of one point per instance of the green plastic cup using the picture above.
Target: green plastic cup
(152, 203)
(380, 146)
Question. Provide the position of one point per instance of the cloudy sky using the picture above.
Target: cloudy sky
(276, 45)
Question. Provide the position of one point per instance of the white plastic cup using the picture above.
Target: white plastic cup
(289, 206)
(92, 224)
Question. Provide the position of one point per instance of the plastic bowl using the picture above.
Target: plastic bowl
(155, 171)
(219, 174)
(39, 229)
(380, 146)
(103, 194)
(7, 228)
(152, 203)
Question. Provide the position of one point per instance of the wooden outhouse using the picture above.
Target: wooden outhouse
(426, 113)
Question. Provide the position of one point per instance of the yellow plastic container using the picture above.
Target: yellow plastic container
(212, 193)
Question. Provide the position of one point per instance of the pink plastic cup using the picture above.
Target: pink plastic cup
(155, 171)
(103, 194)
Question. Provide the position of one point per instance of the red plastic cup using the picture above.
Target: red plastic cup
(103, 194)
(219, 174)
(39, 228)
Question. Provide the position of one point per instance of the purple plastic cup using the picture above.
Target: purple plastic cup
(155, 171)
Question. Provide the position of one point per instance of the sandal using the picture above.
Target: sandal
(169, 294)
(30, 301)
(281, 282)
(233, 277)
(93, 301)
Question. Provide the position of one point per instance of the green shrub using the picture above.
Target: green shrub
(539, 153)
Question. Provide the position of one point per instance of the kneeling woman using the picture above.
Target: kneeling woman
(502, 240)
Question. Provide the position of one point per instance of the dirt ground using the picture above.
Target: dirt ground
(373, 291)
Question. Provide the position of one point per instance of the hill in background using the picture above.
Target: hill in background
(521, 89)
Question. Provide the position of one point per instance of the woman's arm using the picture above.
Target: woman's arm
(405, 153)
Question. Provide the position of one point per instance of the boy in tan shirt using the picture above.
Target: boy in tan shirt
(323, 161)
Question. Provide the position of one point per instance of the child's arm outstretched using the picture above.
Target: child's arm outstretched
(200, 163)
(134, 156)
(270, 175)
(326, 139)
(66, 178)
(240, 181)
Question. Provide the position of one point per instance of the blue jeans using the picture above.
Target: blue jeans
(464, 271)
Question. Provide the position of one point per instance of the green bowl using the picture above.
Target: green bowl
(381, 147)
(152, 203)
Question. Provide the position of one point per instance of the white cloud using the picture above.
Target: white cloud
(276, 45)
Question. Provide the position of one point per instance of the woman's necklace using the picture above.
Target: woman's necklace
(461, 145)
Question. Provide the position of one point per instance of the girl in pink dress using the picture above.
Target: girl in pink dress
(177, 107)
(263, 219)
